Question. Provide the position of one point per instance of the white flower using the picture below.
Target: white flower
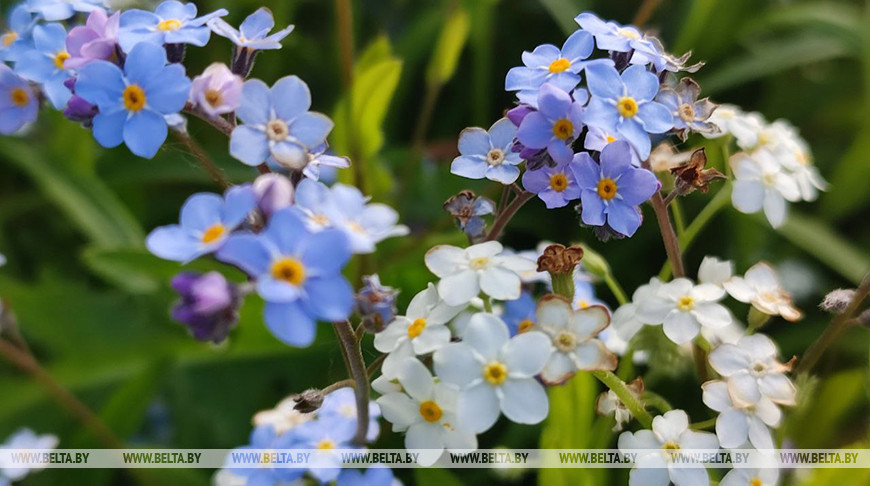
(573, 335)
(735, 425)
(670, 433)
(760, 287)
(609, 403)
(625, 320)
(753, 371)
(226, 477)
(421, 330)
(386, 384)
(496, 373)
(760, 182)
(24, 439)
(283, 417)
(745, 127)
(766, 476)
(465, 272)
(728, 334)
(682, 308)
(533, 275)
(715, 271)
(426, 411)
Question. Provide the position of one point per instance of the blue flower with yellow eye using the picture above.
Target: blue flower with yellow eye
(171, 22)
(206, 222)
(18, 103)
(16, 37)
(556, 124)
(549, 64)
(254, 31)
(54, 10)
(44, 63)
(298, 274)
(133, 102)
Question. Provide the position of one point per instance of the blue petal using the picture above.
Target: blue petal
(273, 290)
(593, 208)
(56, 91)
(640, 84)
(35, 66)
(542, 56)
(144, 62)
(144, 133)
(109, 128)
(634, 133)
(519, 78)
(578, 46)
(290, 324)
(470, 167)
(506, 174)
(586, 171)
(256, 103)
(560, 152)
(474, 141)
(290, 97)
(615, 159)
(249, 145)
(603, 80)
(553, 102)
(286, 230)
(326, 252)
(168, 91)
(535, 131)
(128, 39)
(258, 24)
(311, 128)
(49, 38)
(53, 10)
(173, 243)
(197, 36)
(240, 201)
(602, 114)
(502, 134)
(656, 118)
(247, 252)
(172, 9)
(622, 217)
(637, 186)
(330, 299)
(201, 211)
(275, 39)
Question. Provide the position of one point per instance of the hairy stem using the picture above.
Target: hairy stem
(669, 236)
(625, 395)
(357, 368)
(214, 172)
(837, 326)
(219, 123)
(337, 386)
(505, 216)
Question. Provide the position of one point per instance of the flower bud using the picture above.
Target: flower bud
(594, 263)
(308, 401)
(837, 301)
(274, 192)
(559, 262)
(376, 304)
(864, 318)
(209, 305)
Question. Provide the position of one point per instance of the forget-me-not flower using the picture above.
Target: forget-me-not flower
(549, 64)
(689, 113)
(519, 314)
(217, 90)
(54, 10)
(556, 124)
(298, 274)
(206, 222)
(323, 435)
(265, 437)
(18, 103)
(45, 63)
(254, 31)
(277, 124)
(24, 438)
(172, 22)
(96, 40)
(488, 153)
(624, 104)
(341, 405)
(612, 190)
(133, 102)
(610, 36)
(16, 37)
(556, 186)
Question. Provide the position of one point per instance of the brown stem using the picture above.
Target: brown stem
(669, 236)
(645, 12)
(336, 386)
(359, 375)
(837, 326)
(344, 27)
(670, 197)
(505, 215)
(221, 124)
(216, 173)
(28, 364)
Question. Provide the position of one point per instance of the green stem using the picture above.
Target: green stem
(656, 401)
(615, 288)
(563, 284)
(706, 424)
(487, 303)
(625, 395)
(679, 220)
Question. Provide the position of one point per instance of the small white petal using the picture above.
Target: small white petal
(524, 401)
(559, 368)
(444, 260)
(681, 327)
(526, 354)
(459, 288)
(399, 409)
(455, 363)
(487, 334)
(778, 388)
(478, 408)
(759, 434)
(416, 380)
(740, 289)
(714, 316)
(432, 338)
(500, 283)
(729, 359)
(688, 475)
(743, 389)
(716, 395)
(487, 249)
(424, 438)
(671, 425)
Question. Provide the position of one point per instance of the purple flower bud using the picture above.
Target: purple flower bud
(517, 114)
(376, 304)
(274, 192)
(77, 109)
(208, 306)
(217, 90)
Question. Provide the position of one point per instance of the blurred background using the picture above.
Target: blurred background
(94, 305)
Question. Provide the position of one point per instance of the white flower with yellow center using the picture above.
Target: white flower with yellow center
(657, 448)
(761, 183)
(763, 476)
(715, 271)
(761, 288)
(422, 330)
(683, 308)
(735, 425)
(573, 334)
(465, 272)
(496, 373)
(731, 120)
(426, 412)
(753, 371)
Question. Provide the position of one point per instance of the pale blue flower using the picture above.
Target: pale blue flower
(133, 102)
(265, 437)
(341, 405)
(624, 104)
(206, 222)
(18, 103)
(320, 159)
(519, 314)
(172, 22)
(16, 37)
(54, 10)
(488, 153)
(611, 36)
(323, 434)
(597, 138)
(254, 31)
(556, 124)
(555, 185)
(44, 63)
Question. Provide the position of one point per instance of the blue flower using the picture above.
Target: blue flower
(45, 63)
(18, 102)
(548, 64)
(610, 36)
(555, 185)
(584, 291)
(17, 36)
(298, 274)
(556, 124)
(345, 208)
(623, 104)
(172, 22)
(323, 434)
(265, 437)
(206, 222)
(611, 191)
(488, 154)
(519, 314)
(340, 405)
(597, 138)
(133, 102)
(278, 125)
(374, 476)
(254, 31)
(54, 10)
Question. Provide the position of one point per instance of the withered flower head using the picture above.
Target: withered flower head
(468, 208)
(693, 175)
(557, 259)
(308, 401)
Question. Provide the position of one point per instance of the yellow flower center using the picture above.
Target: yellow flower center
(319, 219)
(416, 328)
(582, 304)
(686, 303)
(9, 38)
(559, 65)
(277, 130)
(213, 97)
(326, 444)
(525, 325)
(627, 107)
(628, 34)
(565, 341)
(134, 98)
(563, 129)
(686, 112)
(769, 179)
(558, 182)
(610, 139)
(60, 58)
(495, 373)
(755, 482)
(213, 233)
(430, 411)
(479, 263)
(607, 189)
(20, 97)
(671, 446)
(169, 24)
(289, 270)
(495, 157)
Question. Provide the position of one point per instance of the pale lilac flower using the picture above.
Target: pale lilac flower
(97, 40)
(254, 31)
(217, 90)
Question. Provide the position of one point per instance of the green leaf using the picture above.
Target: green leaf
(835, 18)
(85, 199)
(564, 11)
(435, 477)
(449, 47)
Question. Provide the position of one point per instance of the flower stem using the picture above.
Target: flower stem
(706, 424)
(625, 395)
(357, 368)
(216, 174)
(837, 326)
(645, 12)
(487, 303)
(669, 236)
(615, 288)
(505, 216)
(656, 401)
(220, 124)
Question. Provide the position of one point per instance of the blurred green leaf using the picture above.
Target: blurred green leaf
(435, 477)
(843, 402)
(839, 19)
(449, 47)
(564, 11)
(839, 476)
(86, 200)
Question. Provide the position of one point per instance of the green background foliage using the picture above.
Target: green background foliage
(93, 304)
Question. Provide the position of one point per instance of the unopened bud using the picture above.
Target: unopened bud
(274, 192)
(864, 318)
(837, 301)
(594, 263)
(557, 259)
(308, 401)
